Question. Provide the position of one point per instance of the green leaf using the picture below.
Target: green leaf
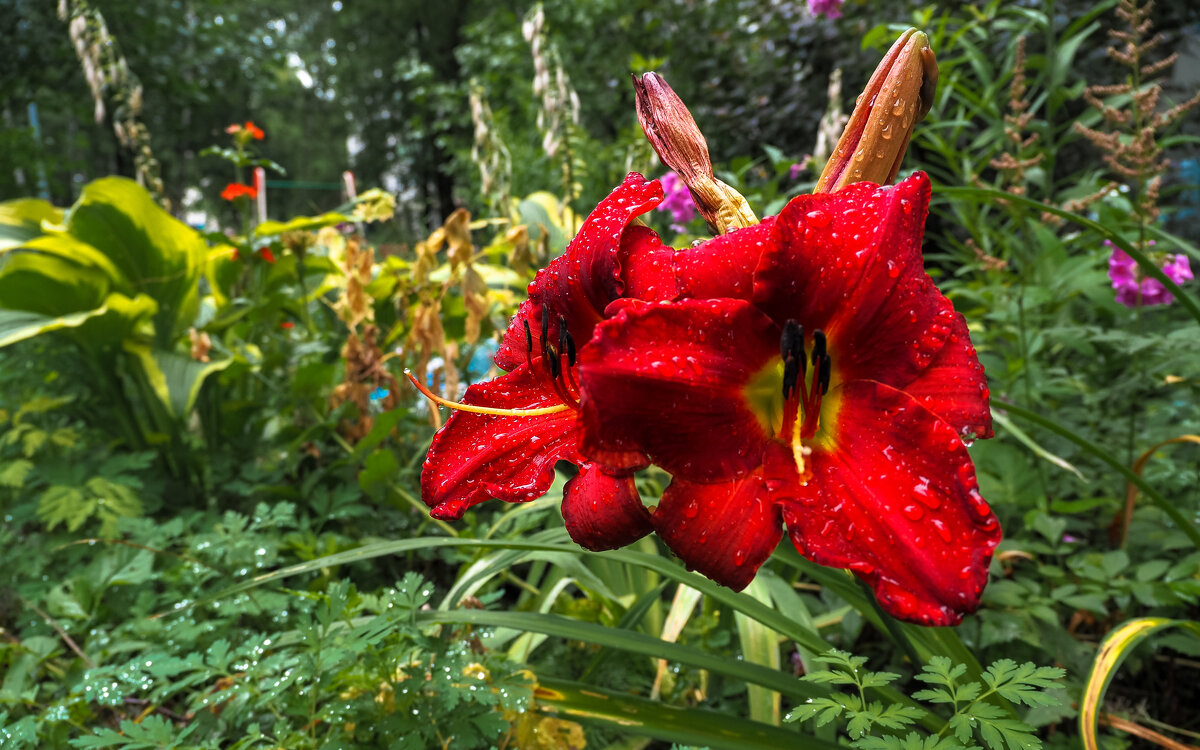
(300, 223)
(21, 220)
(67, 505)
(913, 741)
(14, 473)
(624, 640)
(184, 377)
(1113, 649)
(50, 286)
(159, 255)
(760, 645)
(628, 714)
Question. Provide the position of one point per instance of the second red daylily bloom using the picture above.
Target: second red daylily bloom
(832, 398)
(509, 453)
(530, 418)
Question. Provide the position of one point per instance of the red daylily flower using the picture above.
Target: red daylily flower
(476, 456)
(509, 454)
(830, 394)
(266, 254)
(235, 190)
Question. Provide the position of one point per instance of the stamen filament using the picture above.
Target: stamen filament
(537, 411)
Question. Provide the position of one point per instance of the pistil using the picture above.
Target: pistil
(556, 362)
(801, 394)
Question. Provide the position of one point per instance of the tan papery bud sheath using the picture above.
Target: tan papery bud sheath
(897, 97)
(673, 133)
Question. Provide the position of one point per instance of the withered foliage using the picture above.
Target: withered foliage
(365, 370)
(426, 337)
(1022, 150)
(1129, 144)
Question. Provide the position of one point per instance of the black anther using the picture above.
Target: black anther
(528, 338)
(791, 347)
(570, 349)
(551, 357)
(563, 334)
(825, 372)
(791, 340)
(545, 324)
(818, 352)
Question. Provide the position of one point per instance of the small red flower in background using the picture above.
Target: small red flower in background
(287, 325)
(235, 190)
(249, 128)
(804, 372)
(266, 254)
(235, 256)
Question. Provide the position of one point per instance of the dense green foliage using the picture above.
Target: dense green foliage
(212, 534)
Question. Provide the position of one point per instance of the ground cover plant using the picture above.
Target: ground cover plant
(501, 451)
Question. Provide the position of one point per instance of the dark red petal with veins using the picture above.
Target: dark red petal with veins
(850, 263)
(724, 531)
(603, 510)
(893, 497)
(954, 386)
(667, 379)
(580, 283)
(477, 456)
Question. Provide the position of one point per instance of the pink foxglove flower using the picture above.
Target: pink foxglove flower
(678, 201)
(1134, 290)
(827, 8)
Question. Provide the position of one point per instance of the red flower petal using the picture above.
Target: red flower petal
(477, 456)
(850, 263)
(266, 254)
(893, 497)
(723, 266)
(954, 386)
(236, 190)
(647, 265)
(603, 510)
(580, 283)
(667, 379)
(725, 531)
(255, 132)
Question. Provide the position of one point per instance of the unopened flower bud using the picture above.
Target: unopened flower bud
(897, 97)
(673, 133)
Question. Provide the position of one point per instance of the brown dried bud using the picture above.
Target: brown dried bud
(897, 97)
(673, 133)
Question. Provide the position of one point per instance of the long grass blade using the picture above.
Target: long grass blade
(1113, 650)
(686, 726)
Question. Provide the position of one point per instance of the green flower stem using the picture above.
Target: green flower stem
(1167, 507)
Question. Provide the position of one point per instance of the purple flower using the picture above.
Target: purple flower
(827, 8)
(678, 201)
(1133, 290)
